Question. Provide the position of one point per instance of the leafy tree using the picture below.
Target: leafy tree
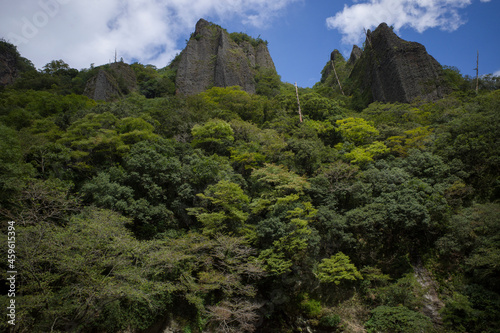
(20, 108)
(55, 66)
(157, 181)
(417, 138)
(398, 115)
(233, 99)
(12, 167)
(253, 146)
(320, 108)
(280, 196)
(101, 139)
(212, 277)
(397, 319)
(356, 130)
(267, 82)
(240, 37)
(44, 201)
(453, 79)
(142, 189)
(288, 250)
(337, 268)
(470, 138)
(214, 136)
(277, 186)
(73, 276)
(484, 259)
(224, 208)
(405, 291)
(393, 225)
(363, 155)
(459, 314)
(335, 184)
(152, 82)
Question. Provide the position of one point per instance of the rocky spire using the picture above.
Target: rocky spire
(355, 54)
(213, 58)
(394, 70)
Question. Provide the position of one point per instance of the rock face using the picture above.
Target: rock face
(355, 55)
(336, 55)
(213, 58)
(432, 302)
(394, 70)
(111, 82)
(11, 63)
(8, 69)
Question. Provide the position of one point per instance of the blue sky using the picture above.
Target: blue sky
(301, 33)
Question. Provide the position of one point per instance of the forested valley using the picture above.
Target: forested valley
(223, 212)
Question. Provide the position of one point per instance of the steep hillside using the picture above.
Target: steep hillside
(228, 212)
(213, 57)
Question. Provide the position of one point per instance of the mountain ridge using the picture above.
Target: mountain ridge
(387, 69)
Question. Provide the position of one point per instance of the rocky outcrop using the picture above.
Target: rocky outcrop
(213, 58)
(432, 303)
(111, 82)
(8, 69)
(355, 55)
(393, 70)
(11, 63)
(335, 56)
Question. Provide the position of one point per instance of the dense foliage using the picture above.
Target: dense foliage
(223, 212)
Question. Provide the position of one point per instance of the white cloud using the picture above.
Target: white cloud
(417, 14)
(497, 73)
(82, 32)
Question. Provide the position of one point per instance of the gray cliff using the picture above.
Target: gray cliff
(355, 55)
(111, 82)
(12, 65)
(391, 69)
(213, 58)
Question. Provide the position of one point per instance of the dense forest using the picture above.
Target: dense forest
(223, 212)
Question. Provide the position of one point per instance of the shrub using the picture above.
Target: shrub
(331, 320)
(311, 307)
(397, 319)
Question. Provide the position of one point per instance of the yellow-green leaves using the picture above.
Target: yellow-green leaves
(415, 138)
(336, 269)
(356, 130)
(279, 186)
(99, 138)
(361, 133)
(223, 210)
(214, 136)
(365, 154)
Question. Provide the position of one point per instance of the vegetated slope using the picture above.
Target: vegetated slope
(222, 212)
(111, 82)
